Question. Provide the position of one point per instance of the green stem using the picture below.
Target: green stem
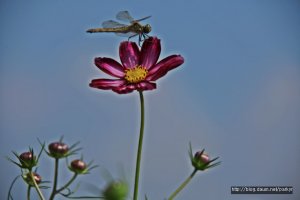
(140, 147)
(53, 193)
(68, 183)
(37, 187)
(173, 195)
(28, 192)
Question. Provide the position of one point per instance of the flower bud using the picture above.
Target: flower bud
(28, 178)
(201, 160)
(116, 190)
(26, 156)
(27, 160)
(58, 149)
(78, 166)
(202, 157)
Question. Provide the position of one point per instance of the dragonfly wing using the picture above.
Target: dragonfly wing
(112, 24)
(129, 34)
(124, 16)
(143, 18)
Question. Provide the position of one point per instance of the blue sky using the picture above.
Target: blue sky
(237, 94)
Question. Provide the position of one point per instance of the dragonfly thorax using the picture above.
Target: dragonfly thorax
(136, 27)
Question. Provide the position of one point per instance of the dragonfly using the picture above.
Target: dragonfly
(131, 30)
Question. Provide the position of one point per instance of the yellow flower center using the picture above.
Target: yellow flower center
(136, 74)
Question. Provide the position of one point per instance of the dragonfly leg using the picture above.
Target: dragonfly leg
(146, 35)
(132, 36)
(140, 39)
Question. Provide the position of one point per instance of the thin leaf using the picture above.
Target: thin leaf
(9, 196)
(14, 162)
(61, 138)
(214, 165)
(74, 145)
(40, 153)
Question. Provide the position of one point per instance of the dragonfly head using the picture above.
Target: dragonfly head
(147, 28)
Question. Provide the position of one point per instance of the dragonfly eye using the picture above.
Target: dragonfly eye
(147, 28)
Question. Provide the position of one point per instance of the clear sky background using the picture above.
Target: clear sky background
(237, 94)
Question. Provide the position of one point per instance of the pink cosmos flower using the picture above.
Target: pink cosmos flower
(139, 68)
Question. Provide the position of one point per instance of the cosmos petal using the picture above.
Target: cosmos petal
(145, 85)
(129, 54)
(124, 89)
(165, 65)
(110, 66)
(150, 52)
(107, 84)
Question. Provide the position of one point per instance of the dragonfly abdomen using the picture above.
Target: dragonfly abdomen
(113, 30)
